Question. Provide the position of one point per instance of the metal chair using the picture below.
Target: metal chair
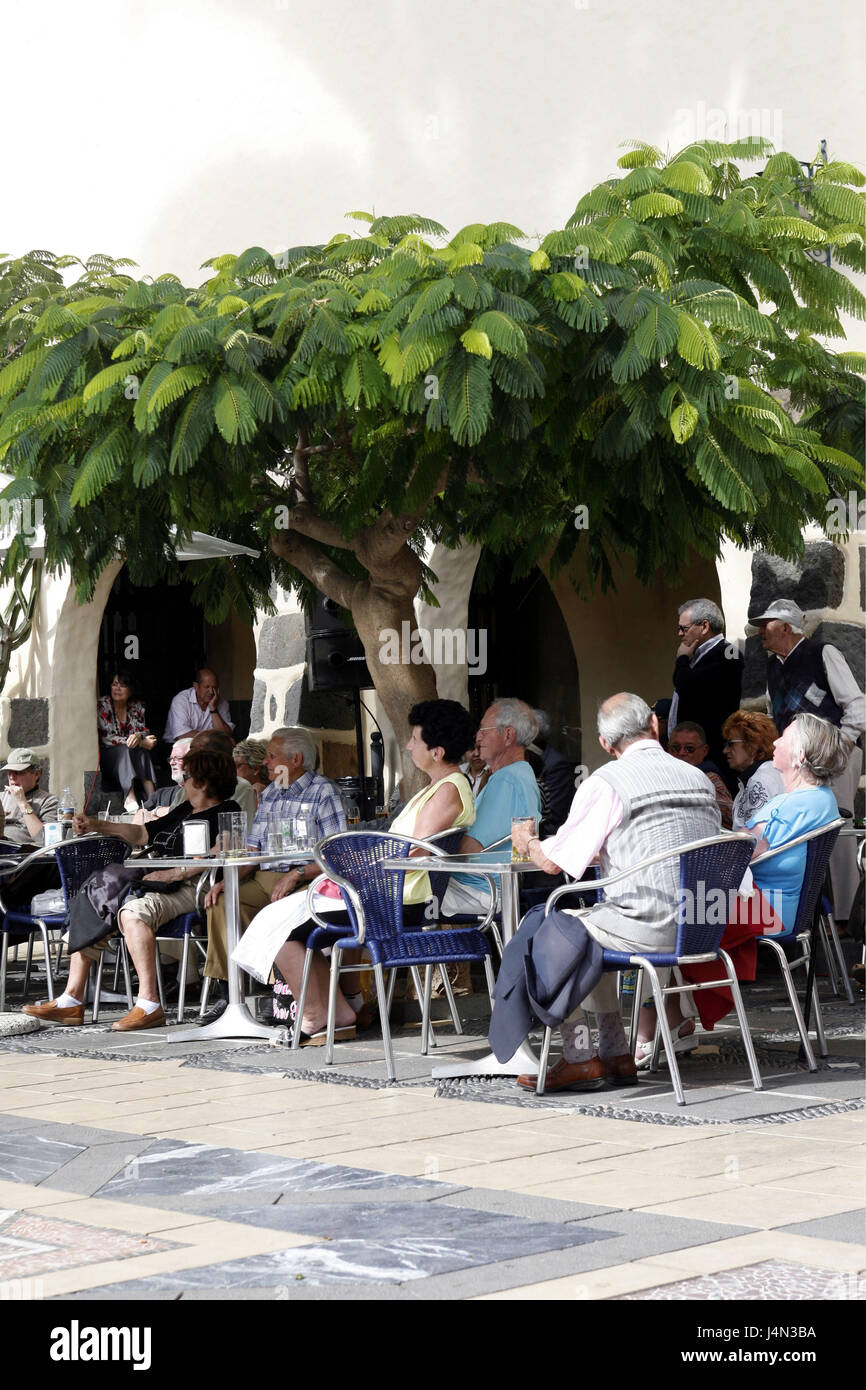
(717, 864)
(833, 955)
(819, 846)
(76, 860)
(373, 898)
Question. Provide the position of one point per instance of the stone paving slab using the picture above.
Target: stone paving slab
(847, 1226)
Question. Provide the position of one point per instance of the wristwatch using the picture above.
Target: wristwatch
(28, 809)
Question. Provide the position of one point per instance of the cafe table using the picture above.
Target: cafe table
(236, 1021)
(508, 872)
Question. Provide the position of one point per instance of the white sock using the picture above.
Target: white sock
(147, 1004)
(67, 1001)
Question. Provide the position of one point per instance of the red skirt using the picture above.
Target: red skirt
(752, 917)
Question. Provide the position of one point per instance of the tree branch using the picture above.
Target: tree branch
(307, 521)
(301, 470)
(318, 567)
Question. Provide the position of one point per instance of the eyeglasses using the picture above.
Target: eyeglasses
(683, 747)
(685, 627)
(729, 742)
(488, 728)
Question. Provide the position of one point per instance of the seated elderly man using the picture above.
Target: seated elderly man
(25, 807)
(198, 708)
(164, 798)
(209, 741)
(291, 761)
(642, 803)
(506, 730)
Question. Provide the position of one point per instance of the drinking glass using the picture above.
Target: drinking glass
(233, 834)
(516, 856)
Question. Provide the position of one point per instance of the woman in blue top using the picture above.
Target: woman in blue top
(809, 754)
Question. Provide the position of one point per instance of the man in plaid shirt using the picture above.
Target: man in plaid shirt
(291, 760)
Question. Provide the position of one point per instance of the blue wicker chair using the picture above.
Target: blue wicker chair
(76, 860)
(373, 898)
(716, 863)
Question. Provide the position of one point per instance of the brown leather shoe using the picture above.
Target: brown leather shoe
(621, 1070)
(49, 1012)
(137, 1018)
(569, 1076)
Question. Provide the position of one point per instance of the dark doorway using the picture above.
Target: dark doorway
(529, 651)
(160, 636)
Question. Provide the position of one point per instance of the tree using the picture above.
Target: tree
(355, 399)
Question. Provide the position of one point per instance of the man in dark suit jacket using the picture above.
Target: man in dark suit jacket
(708, 677)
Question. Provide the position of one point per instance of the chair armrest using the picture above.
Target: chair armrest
(645, 864)
(311, 893)
(206, 876)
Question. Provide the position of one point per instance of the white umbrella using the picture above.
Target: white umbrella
(24, 516)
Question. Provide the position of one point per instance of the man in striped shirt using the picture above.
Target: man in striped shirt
(291, 761)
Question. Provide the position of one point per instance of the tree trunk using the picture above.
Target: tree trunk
(401, 684)
(380, 604)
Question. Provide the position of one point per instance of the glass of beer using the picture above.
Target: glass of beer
(529, 821)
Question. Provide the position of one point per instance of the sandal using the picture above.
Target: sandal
(683, 1042)
(319, 1039)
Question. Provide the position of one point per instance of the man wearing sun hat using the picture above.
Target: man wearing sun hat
(25, 807)
(803, 674)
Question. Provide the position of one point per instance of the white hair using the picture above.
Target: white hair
(819, 747)
(516, 715)
(622, 718)
(703, 610)
(297, 740)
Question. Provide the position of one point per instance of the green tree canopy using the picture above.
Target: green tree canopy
(661, 360)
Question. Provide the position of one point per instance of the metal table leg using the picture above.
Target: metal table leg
(236, 1021)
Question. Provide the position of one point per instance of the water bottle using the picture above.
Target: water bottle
(304, 827)
(66, 810)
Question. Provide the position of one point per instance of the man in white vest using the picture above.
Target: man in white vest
(642, 803)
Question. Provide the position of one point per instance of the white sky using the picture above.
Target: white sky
(178, 132)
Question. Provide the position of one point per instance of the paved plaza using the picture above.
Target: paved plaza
(135, 1169)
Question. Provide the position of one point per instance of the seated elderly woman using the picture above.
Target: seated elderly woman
(749, 739)
(442, 730)
(125, 742)
(249, 756)
(103, 905)
(807, 757)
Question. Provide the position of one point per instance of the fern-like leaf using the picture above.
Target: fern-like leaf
(100, 465)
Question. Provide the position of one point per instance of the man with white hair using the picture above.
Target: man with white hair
(291, 762)
(641, 804)
(506, 730)
(708, 676)
(813, 677)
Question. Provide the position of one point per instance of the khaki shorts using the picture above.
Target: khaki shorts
(153, 909)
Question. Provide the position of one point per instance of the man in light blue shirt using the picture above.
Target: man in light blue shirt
(507, 728)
